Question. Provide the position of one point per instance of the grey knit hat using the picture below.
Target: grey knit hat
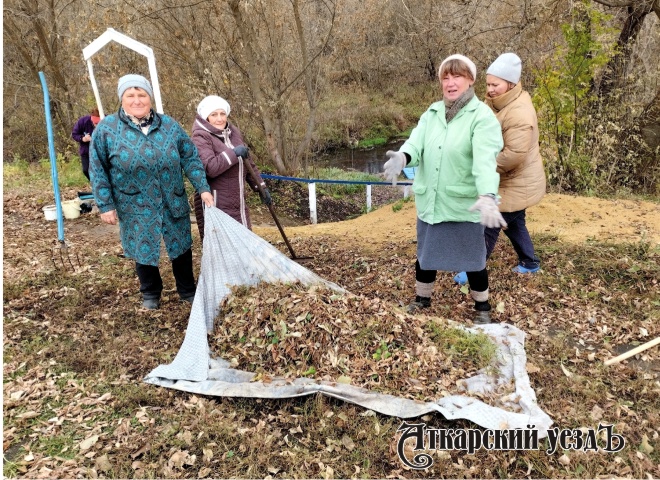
(507, 67)
(133, 81)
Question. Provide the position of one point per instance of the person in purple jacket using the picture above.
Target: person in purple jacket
(82, 133)
(223, 152)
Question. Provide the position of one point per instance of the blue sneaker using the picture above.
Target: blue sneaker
(460, 278)
(521, 269)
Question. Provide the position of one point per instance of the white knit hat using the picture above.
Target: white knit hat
(470, 64)
(507, 67)
(133, 81)
(211, 104)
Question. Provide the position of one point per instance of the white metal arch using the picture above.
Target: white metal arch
(112, 35)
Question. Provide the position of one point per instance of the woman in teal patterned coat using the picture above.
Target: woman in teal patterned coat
(137, 161)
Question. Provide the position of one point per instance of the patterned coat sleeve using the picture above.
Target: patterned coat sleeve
(191, 163)
(99, 169)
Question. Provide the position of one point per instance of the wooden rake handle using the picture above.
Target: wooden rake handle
(634, 351)
(260, 187)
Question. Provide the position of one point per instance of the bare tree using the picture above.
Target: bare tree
(633, 12)
(32, 27)
(302, 75)
(276, 63)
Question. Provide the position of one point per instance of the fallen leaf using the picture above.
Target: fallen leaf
(88, 442)
(596, 413)
(16, 395)
(347, 442)
(531, 368)
(207, 454)
(27, 415)
(645, 447)
(178, 459)
(139, 452)
(186, 437)
(102, 463)
(104, 398)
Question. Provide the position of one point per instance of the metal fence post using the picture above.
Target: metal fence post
(312, 203)
(368, 198)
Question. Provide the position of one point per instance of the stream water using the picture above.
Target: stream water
(363, 160)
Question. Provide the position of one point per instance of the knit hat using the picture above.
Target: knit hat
(131, 81)
(211, 104)
(470, 64)
(507, 67)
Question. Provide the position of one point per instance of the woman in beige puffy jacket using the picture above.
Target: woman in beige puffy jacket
(522, 177)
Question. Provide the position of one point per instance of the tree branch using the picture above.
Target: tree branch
(652, 5)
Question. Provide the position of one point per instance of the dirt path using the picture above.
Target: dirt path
(572, 219)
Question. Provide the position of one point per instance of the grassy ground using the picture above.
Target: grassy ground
(76, 346)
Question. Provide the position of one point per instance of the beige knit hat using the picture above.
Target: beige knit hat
(470, 64)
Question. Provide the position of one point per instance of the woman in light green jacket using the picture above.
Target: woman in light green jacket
(454, 146)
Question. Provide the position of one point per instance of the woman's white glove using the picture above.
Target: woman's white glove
(394, 166)
(490, 213)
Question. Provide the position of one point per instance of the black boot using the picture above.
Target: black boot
(482, 313)
(151, 303)
(188, 298)
(418, 304)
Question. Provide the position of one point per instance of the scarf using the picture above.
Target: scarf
(144, 123)
(224, 135)
(452, 108)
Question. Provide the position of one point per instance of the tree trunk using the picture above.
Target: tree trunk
(615, 73)
(248, 36)
(311, 98)
(649, 121)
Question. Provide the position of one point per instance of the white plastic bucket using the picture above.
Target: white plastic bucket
(71, 209)
(50, 212)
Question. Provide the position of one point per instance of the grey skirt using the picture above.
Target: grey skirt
(451, 246)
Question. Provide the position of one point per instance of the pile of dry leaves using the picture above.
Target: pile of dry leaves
(290, 330)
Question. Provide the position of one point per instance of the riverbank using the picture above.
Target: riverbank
(568, 218)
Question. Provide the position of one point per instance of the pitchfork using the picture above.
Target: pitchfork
(61, 253)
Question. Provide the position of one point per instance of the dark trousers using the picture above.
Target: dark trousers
(519, 236)
(85, 165)
(151, 283)
(478, 280)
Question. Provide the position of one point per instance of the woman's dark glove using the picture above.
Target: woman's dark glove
(241, 151)
(266, 199)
